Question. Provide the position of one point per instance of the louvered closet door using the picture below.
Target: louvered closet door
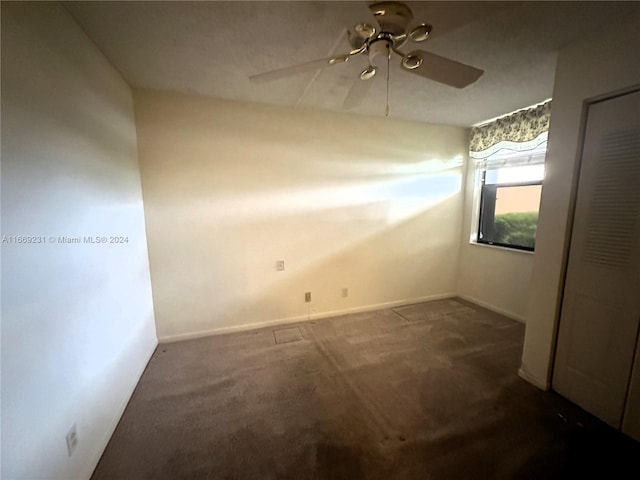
(601, 304)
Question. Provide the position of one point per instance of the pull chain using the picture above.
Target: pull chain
(386, 110)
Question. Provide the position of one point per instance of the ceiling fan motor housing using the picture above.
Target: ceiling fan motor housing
(393, 17)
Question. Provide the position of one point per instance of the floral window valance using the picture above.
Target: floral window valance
(520, 127)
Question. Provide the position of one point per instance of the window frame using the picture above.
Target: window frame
(482, 210)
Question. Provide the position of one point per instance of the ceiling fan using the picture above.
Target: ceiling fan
(395, 29)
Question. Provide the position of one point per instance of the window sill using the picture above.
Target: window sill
(498, 247)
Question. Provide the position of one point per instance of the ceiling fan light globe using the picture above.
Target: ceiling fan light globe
(355, 40)
(411, 62)
(365, 30)
(420, 32)
(368, 73)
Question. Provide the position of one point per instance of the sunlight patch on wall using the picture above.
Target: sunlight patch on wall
(400, 191)
(412, 197)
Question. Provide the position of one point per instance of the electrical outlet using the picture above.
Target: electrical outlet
(72, 439)
(345, 292)
(307, 297)
(280, 265)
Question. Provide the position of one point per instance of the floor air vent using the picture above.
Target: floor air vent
(287, 335)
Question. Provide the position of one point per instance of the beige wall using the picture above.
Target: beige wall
(372, 205)
(604, 62)
(77, 319)
(496, 278)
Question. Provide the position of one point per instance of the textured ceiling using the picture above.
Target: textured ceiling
(211, 48)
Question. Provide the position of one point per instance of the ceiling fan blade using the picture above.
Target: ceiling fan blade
(300, 68)
(357, 93)
(444, 70)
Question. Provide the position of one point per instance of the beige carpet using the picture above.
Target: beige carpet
(426, 391)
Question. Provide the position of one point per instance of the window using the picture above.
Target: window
(509, 201)
(509, 152)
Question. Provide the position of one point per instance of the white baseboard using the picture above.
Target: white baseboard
(298, 318)
(493, 308)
